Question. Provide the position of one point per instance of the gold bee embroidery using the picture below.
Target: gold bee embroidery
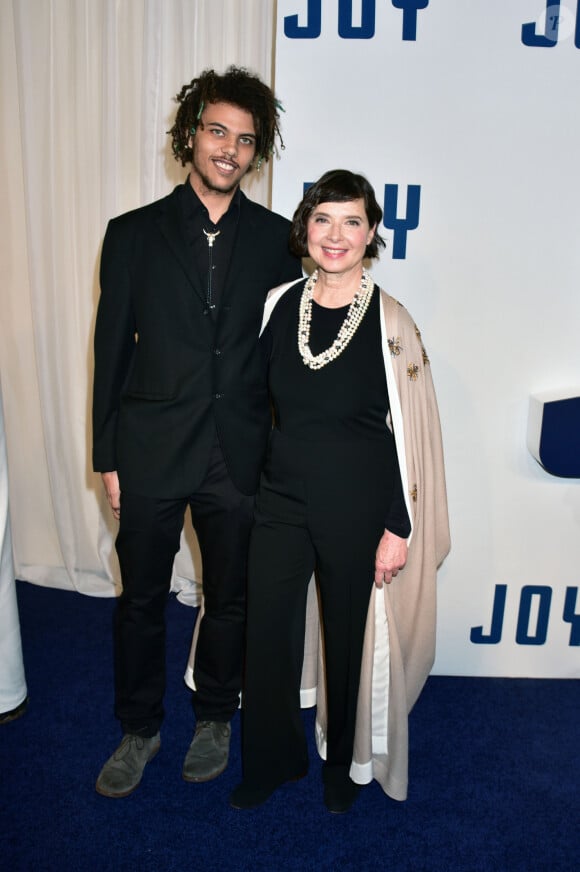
(395, 346)
(413, 371)
(413, 493)
(423, 352)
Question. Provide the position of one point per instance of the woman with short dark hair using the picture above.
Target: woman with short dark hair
(354, 465)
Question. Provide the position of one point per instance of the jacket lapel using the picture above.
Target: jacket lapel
(244, 244)
(171, 227)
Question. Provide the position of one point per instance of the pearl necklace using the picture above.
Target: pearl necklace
(354, 316)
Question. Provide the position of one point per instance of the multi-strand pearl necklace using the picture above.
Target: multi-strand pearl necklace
(354, 316)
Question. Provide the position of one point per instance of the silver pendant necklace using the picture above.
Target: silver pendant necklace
(211, 237)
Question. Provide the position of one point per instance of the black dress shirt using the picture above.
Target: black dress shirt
(212, 263)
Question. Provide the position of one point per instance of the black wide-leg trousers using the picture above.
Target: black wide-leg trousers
(147, 542)
(320, 506)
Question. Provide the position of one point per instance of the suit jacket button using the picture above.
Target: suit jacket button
(217, 396)
(217, 351)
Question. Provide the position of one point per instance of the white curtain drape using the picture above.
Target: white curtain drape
(87, 88)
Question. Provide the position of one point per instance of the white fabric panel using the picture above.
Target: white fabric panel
(488, 127)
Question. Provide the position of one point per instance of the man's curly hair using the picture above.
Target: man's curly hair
(238, 87)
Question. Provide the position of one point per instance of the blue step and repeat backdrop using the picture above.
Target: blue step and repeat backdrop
(464, 116)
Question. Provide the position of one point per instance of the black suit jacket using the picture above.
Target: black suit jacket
(167, 375)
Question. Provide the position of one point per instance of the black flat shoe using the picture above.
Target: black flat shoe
(15, 713)
(338, 798)
(243, 797)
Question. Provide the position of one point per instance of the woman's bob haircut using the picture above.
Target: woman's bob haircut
(336, 186)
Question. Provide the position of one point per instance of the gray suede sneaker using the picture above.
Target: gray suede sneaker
(209, 751)
(122, 772)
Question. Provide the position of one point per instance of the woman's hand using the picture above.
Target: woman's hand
(390, 557)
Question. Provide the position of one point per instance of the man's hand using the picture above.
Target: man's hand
(111, 482)
(390, 557)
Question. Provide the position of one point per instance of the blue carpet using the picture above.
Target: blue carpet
(494, 780)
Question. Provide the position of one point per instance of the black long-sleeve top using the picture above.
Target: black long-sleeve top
(345, 400)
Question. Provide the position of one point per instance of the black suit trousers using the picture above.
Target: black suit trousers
(147, 542)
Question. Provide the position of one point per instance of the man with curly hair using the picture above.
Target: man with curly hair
(180, 409)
